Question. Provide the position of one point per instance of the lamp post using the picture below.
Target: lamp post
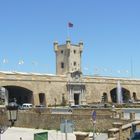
(94, 123)
(12, 109)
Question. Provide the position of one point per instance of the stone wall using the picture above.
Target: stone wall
(54, 86)
(46, 119)
(81, 118)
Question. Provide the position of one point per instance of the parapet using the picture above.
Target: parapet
(55, 46)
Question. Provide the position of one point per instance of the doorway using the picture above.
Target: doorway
(76, 99)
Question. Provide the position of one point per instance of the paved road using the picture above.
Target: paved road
(15, 133)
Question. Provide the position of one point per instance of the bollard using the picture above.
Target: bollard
(112, 132)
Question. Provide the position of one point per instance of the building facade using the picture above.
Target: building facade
(69, 84)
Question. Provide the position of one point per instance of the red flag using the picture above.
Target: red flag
(70, 24)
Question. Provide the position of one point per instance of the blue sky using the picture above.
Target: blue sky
(109, 29)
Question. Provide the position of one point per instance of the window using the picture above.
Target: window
(74, 63)
(74, 51)
(62, 65)
(42, 99)
(62, 51)
(134, 96)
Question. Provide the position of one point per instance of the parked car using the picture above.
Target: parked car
(75, 106)
(26, 106)
(40, 106)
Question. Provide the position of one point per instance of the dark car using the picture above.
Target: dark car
(75, 106)
(40, 106)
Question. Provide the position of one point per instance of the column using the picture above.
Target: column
(121, 115)
(70, 93)
(83, 96)
(35, 98)
(71, 102)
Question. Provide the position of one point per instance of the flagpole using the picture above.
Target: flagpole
(68, 32)
(69, 25)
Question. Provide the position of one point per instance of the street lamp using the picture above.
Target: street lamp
(12, 109)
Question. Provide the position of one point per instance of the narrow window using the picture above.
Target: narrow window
(134, 96)
(74, 51)
(62, 65)
(74, 63)
(42, 99)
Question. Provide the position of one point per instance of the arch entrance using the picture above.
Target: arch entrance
(124, 93)
(20, 94)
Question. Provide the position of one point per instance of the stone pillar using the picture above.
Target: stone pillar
(132, 116)
(121, 115)
(70, 94)
(35, 99)
(111, 133)
(119, 126)
(82, 94)
(82, 136)
(71, 101)
(114, 114)
(83, 101)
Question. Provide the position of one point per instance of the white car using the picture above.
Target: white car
(27, 106)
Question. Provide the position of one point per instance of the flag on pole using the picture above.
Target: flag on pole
(70, 24)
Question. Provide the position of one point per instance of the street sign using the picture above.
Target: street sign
(94, 115)
(66, 126)
(94, 123)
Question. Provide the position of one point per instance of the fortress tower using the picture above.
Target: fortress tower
(68, 57)
(68, 62)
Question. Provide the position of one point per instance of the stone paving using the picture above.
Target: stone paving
(15, 133)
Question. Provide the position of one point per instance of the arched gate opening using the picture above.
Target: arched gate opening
(124, 92)
(20, 94)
